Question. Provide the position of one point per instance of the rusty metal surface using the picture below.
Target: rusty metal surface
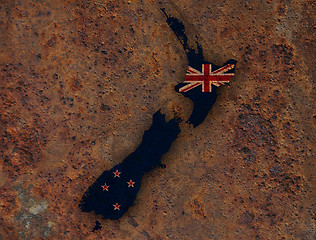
(81, 80)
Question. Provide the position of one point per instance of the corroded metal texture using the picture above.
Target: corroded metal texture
(80, 81)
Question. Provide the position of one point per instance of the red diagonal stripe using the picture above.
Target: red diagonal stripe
(193, 71)
(228, 67)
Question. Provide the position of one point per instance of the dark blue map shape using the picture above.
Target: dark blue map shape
(97, 226)
(155, 143)
(111, 195)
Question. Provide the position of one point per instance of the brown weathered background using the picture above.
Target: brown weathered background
(80, 81)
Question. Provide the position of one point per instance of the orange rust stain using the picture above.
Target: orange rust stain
(76, 84)
(176, 109)
(196, 207)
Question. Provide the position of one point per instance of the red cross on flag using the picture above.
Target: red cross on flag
(207, 77)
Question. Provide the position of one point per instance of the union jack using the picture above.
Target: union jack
(207, 77)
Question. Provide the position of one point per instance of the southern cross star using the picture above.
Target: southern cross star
(116, 173)
(116, 206)
(105, 187)
(130, 183)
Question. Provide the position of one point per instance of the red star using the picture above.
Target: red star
(116, 206)
(130, 183)
(105, 187)
(116, 173)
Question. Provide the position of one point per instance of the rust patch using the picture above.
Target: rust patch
(21, 150)
(281, 9)
(282, 52)
(246, 218)
(196, 206)
(52, 41)
(176, 109)
(76, 84)
(8, 201)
